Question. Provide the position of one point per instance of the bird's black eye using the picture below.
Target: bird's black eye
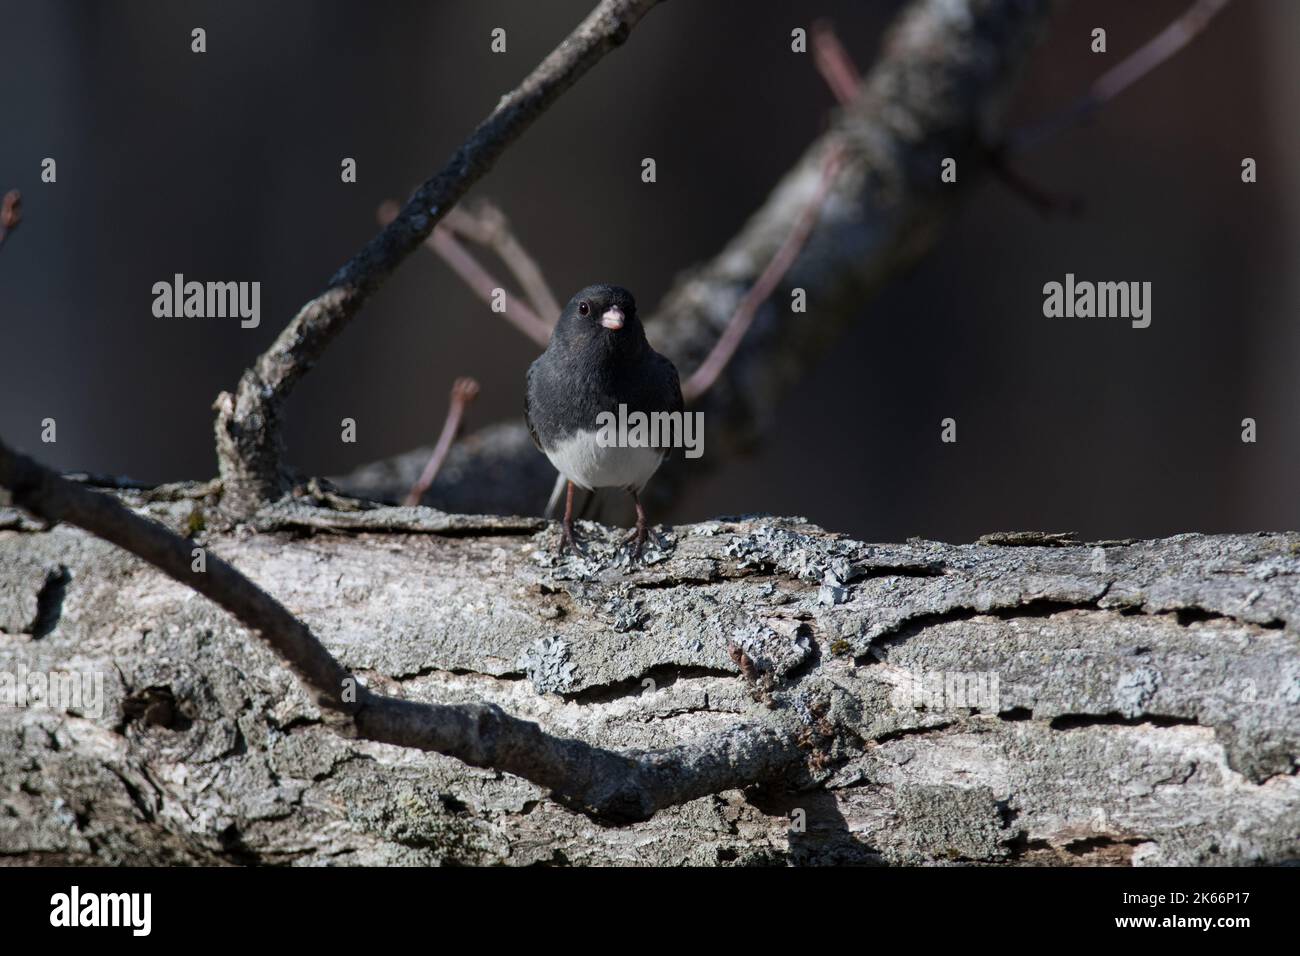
(584, 308)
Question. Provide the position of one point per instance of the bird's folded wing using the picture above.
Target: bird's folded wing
(528, 417)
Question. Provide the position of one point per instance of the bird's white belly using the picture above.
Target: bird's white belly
(587, 463)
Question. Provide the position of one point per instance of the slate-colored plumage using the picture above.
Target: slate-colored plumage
(598, 358)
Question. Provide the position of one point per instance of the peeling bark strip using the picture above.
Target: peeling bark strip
(1146, 706)
(247, 428)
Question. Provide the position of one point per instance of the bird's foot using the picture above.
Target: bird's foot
(637, 538)
(570, 540)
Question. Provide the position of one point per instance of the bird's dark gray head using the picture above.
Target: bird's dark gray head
(603, 317)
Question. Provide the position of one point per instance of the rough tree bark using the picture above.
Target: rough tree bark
(1145, 709)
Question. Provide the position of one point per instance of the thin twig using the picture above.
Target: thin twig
(463, 392)
(11, 213)
(609, 785)
(1116, 80)
(834, 63)
(488, 226)
(704, 376)
(442, 241)
(484, 284)
(248, 434)
(1113, 82)
(841, 75)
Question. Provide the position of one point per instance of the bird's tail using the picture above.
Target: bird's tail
(584, 500)
(553, 505)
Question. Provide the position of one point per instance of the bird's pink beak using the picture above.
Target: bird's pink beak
(612, 318)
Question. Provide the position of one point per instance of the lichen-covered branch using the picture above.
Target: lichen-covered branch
(247, 427)
(1024, 699)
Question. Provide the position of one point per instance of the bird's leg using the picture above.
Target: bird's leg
(567, 537)
(638, 534)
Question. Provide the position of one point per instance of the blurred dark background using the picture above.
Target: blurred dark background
(226, 166)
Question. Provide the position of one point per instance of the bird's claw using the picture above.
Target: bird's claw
(568, 539)
(636, 537)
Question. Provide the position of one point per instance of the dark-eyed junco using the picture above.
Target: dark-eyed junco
(598, 359)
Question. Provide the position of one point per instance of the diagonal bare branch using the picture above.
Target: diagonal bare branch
(248, 436)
